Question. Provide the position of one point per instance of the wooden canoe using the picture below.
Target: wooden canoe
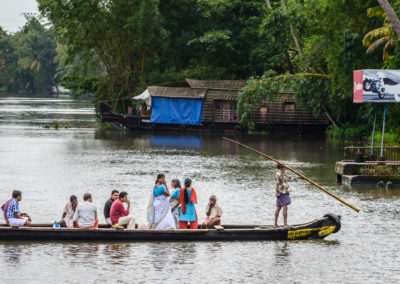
(317, 229)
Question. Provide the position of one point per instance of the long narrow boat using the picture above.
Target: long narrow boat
(317, 229)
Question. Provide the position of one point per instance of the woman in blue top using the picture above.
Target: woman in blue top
(159, 215)
(176, 185)
(187, 199)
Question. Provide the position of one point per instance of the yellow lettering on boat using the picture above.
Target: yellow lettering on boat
(304, 233)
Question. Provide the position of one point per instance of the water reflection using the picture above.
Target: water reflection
(160, 253)
(86, 253)
(177, 141)
(13, 253)
(184, 253)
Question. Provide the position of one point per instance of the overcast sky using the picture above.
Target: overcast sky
(11, 13)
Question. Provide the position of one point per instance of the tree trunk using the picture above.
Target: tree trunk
(295, 39)
(391, 15)
(330, 118)
(268, 4)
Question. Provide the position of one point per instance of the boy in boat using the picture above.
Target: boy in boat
(69, 211)
(85, 216)
(107, 205)
(14, 216)
(213, 213)
(282, 193)
(119, 215)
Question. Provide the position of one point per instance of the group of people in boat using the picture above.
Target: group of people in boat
(173, 208)
(167, 209)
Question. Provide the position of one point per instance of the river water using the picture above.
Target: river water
(49, 165)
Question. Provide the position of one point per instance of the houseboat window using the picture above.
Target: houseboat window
(226, 111)
(289, 106)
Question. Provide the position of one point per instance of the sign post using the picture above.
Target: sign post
(376, 86)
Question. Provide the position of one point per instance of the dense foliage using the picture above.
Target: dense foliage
(114, 49)
(28, 59)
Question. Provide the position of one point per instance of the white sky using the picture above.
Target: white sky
(11, 13)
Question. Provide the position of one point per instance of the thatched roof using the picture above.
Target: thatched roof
(169, 92)
(216, 84)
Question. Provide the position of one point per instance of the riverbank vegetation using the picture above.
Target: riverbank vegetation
(28, 59)
(114, 49)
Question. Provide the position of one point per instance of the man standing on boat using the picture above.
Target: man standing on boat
(85, 216)
(15, 217)
(107, 206)
(282, 193)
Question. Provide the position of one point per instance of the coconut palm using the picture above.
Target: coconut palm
(391, 15)
(383, 35)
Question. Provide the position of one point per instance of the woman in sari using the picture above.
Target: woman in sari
(176, 185)
(187, 200)
(159, 214)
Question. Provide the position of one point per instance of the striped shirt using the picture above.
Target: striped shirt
(13, 208)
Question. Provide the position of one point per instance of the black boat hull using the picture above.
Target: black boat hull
(317, 229)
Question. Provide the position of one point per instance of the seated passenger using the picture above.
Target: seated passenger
(119, 215)
(85, 216)
(15, 217)
(69, 211)
(213, 213)
(107, 206)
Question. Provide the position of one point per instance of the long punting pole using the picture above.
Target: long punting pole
(373, 131)
(383, 131)
(294, 171)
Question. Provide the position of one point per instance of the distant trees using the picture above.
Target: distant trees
(27, 58)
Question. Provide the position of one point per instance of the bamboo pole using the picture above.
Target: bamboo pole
(296, 172)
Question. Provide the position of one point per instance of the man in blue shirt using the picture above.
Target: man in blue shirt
(15, 217)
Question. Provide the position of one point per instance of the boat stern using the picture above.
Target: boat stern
(318, 229)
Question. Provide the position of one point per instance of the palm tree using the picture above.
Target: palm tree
(391, 15)
(382, 35)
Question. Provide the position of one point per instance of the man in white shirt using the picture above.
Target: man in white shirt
(86, 214)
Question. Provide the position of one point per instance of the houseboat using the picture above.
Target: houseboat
(210, 104)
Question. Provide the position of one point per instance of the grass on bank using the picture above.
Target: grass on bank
(363, 135)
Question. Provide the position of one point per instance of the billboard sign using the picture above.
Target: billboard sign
(376, 86)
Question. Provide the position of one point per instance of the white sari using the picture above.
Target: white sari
(159, 214)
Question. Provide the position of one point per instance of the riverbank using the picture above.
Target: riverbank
(361, 136)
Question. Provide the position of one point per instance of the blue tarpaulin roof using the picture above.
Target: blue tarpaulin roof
(176, 110)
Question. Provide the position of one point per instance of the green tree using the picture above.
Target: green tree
(382, 35)
(121, 39)
(27, 58)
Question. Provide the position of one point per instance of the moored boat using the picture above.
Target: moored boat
(317, 229)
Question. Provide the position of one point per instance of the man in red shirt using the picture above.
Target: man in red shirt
(119, 215)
